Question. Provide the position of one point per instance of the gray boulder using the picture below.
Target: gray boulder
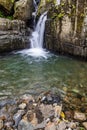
(23, 9)
(25, 125)
(12, 35)
(7, 5)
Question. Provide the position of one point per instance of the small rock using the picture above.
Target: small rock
(30, 115)
(27, 98)
(17, 117)
(57, 110)
(25, 125)
(79, 116)
(22, 112)
(61, 126)
(85, 125)
(4, 116)
(47, 110)
(35, 120)
(22, 106)
(8, 124)
(41, 125)
(1, 124)
(71, 125)
(50, 126)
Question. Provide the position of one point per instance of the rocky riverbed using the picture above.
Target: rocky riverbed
(48, 111)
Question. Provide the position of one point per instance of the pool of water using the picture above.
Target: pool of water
(20, 74)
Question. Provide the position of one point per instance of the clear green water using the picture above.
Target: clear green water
(20, 74)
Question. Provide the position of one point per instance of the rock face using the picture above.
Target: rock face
(23, 9)
(7, 5)
(66, 27)
(12, 35)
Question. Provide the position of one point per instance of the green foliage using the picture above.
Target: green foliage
(9, 17)
(60, 15)
(3, 16)
(12, 1)
(81, 128)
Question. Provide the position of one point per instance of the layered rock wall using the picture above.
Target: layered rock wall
(66, 28)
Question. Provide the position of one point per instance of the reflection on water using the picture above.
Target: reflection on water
(19, 75)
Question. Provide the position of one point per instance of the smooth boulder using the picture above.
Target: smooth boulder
(23, 9)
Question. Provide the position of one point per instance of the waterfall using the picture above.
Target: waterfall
(36, 39)
(58, 2)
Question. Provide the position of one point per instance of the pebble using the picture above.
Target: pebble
(31, 115)
(25, 125)
(22, 106)
(61, 126)
(47, 110)
(79, 116)
(50, 126)
(27, 98)
(85, 125)
(72, 125)
(58, 110)
(17, 117)
(1, 124)
(34, 122)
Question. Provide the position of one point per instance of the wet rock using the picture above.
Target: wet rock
(68, 114)
(25, 125)
(47, 110)
(30, 115)
(23, 9)
(5, 102)
(22, 106)
(65, 42)
(7, 5)
(35, 120)
(27, 98)
(1, 124)
(50, 126)
(51, 99)
(72, 125)
(79, 116)
(58, 110)
(41, 125)
(61, 126)
(39, 115)
(21, 112)
(4, 116)
(17, 117)
(85, 125)
(13, 35)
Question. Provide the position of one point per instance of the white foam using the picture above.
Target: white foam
(34, 52)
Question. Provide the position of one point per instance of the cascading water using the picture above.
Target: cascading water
(37, 39)
(38, 34)
(58, 2)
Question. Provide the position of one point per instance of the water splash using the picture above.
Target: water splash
(58, 2)
(37, 39)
